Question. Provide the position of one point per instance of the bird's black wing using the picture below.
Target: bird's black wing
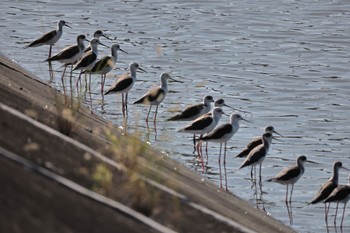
(218, 132)
(287, 173)
(188, 112)
(100, 64)
(251, 145)
(325, 190)
(200, 123)
(46, 37)
(65, 54)
(120, 85)
(86, 60)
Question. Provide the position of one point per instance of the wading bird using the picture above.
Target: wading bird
(123, 84)
(155, 95)
(290, 175)
(222, 134)
(50, 38)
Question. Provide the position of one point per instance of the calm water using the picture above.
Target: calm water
(286, 64)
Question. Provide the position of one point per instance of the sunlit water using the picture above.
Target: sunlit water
(286, 64)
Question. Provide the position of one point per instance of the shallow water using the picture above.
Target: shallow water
(287, 65)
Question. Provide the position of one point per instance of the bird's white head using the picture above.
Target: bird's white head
(135, 66)
(81, 38)
(98, 34)
(208, 99)
(165, 76)
(217, 112)
(301, 159)
(62, 23)
(271, 129)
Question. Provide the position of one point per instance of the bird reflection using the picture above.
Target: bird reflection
(290, 212)
(258, 194)
(149, 130)
(124, 126)
(50, 72)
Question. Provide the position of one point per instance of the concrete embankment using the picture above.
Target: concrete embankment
(63, 169)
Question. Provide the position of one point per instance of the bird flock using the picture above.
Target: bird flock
(203, 119)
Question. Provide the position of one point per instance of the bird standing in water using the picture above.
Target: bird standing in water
(203, 125)
(155, 95)
(50, 38)
(258, 154)
(222, 134)
(123, 84)
(327, 188)
(106, 64)
(340, 194)
(193, 112)
(71, 54)
(290, 175)
(88, 60)
(254, 143)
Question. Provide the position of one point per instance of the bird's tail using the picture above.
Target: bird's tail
(107, 92)
(140, 101)
(175, 118)
(241, 155)
(54, 58)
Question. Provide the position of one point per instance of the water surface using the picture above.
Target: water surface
(286, 64)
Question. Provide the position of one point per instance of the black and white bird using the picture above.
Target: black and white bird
(98, 34)
(290, 175)
(258, 154)
(221, 103)
(88, 60)
(218, 103)
(203, 125)
(255, 142)
(50, 38)
(340, 194)
(123, 84)
(328, 187)
(155, 95)
(223, 134)
(71, 54)
(194, 111)
(106, 64)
